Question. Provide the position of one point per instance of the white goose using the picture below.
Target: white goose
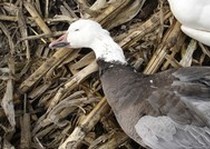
(194, 15)
(166, 110)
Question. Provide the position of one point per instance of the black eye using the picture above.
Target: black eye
(76, 30)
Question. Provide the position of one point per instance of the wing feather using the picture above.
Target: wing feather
(183, 115)
(163, 133)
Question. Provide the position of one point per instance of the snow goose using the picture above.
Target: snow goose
(194, 15)
(170, 109)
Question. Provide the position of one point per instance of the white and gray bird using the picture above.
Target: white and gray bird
(170, 109)
(194, 15)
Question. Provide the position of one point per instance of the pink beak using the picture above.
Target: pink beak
(60, 42)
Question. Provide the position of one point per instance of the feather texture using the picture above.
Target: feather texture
(170, 108)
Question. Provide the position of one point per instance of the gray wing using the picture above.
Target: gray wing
(187, 98)
(182, 119)
(192, 88)
(164, 133)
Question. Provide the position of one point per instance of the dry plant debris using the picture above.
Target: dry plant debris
(53, 98)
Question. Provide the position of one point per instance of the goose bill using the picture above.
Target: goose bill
(61, 42)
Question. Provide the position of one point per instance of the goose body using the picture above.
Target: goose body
(194, 17)
(170, 109)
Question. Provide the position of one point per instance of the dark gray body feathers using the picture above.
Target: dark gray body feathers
(167, 109)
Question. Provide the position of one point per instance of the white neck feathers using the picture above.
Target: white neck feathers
(107, 49)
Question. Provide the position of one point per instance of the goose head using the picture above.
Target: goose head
(80, 34)
(90, 34)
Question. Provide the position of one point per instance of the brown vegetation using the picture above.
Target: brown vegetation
(53, 98)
